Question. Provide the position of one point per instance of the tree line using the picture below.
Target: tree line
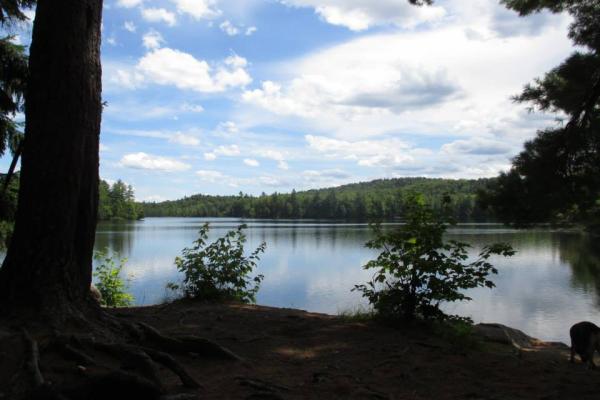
(117, 202)
(378, 199)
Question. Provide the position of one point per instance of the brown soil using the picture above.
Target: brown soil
(291, 354)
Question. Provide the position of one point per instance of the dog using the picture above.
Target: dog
(585, 340)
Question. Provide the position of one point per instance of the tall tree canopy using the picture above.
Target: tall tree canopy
(557, 176)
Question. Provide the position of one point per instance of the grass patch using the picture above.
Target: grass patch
(357, 314)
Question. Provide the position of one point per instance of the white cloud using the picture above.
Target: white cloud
(358, 15)
(129, 26)
(210, 176)
(274, 155)
(228, 151)
(198, 9)
(230, 29)
(251, 162)
(152, 40)
(189, 138)
(326, 173)
(129, 3)
(104, 147)
(251, 30)
(271, 181)
(159, 15)
(112, 40)
(223, 150)
(228, 127)
(134, 111)
(478, 146)
(271, 154)
(433, 82)
(153, 162)
(184, 139)
(166, 66)
(367, 153)
(193, 108)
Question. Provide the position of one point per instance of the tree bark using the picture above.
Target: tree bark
(48, 265)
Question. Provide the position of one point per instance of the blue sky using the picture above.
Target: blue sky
(222, 96)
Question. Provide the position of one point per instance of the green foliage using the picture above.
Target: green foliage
(109, 281)
(417, 270)
(219, 270)
(358, 314)
(556, 178)
(378, 199)
(117, 202)
(459, 333)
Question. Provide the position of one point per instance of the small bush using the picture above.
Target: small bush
(417, 270)
(220, 270)
(109, 281)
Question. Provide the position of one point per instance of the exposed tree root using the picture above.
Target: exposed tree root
(187, 344)
(33, 359)
(140, 352)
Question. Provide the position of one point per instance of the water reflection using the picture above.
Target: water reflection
(552, 282)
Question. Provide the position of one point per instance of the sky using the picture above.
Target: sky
(223, 96)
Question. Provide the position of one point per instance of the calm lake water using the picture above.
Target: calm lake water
(552, 282)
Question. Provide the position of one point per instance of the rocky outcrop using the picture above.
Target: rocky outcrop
(503, 334)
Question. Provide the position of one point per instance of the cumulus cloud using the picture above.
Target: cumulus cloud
(478, 146)
(438, 81)
(159, 15)
(359, 15)
(184, 139)
(140, 111)
(210, 176)
(152, 40)
(367, 153)
(326, 173)
(251, 162)
(129, 3)
(129, 26)
(223, 150)
(228, 151)
(251, 30)
(230, 29)
(198, 9)
(171, 67)
(228, 127)
(153, 162)
(177, 137)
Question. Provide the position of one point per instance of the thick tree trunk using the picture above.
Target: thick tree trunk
(49, 262)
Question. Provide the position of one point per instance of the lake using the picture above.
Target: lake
(552, 282)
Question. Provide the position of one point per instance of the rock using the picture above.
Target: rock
(506, 335)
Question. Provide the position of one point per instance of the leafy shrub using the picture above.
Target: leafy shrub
(109, 281)
(417, 270)
(220, 270)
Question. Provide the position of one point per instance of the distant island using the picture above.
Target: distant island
(377, 199)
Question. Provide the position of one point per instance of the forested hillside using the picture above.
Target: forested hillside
(366, 200)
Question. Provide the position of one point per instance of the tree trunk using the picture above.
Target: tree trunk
(48, 265)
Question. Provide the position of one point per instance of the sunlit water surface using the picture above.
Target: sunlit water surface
(551, 283)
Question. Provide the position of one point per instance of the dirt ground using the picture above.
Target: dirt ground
(291, 354)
